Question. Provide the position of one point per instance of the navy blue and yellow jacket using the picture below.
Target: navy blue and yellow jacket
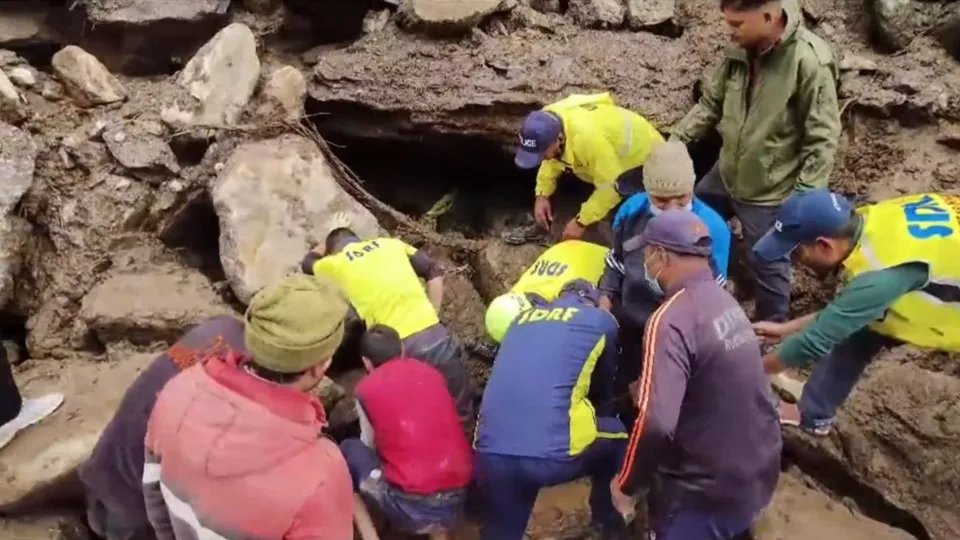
(536, 403)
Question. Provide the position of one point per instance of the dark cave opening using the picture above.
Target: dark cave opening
(13, 337)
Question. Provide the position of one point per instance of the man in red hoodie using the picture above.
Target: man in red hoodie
(234, 448)
(412, 460)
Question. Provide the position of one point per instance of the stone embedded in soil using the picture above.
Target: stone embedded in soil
(22, 23)
(23, 76)
(140, 146)
(283, 95)
(218, 82)
(644, 14)
(950, 137)
(45, 528)
(597, 13)
(13, 108)
(499, 266)
(153, 306)
(799, 511)
(277, 199)
(42, 456)
(444, 16)
(86, 80)
(18, 153)
(463, 309)
(898, 22)
(898, 434)
(375, 21)
(142, 13)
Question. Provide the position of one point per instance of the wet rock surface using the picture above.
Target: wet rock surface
(276, 200)
(101, 169)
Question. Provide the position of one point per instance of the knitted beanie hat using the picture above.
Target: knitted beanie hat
(668, 170)
(295, 323)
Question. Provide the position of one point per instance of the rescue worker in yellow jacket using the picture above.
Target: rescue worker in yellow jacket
(900, 263)
(541, 283)
(600, 142)
(382, 280)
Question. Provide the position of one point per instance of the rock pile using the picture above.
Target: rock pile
(134, 207)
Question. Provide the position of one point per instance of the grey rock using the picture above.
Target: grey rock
(897, 22)
(153, 306)
(644, 14)
(276, 199)
(22, 76)
(140, 147)
(218, 82)
(22, 23)
(283, 94)
(444, 17)
(18, 153)
(13, 107)
(853, 62)
(86, 80)
(597, 13)
(375, 21)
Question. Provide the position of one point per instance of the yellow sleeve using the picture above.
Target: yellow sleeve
(604, 168)
(547, 175)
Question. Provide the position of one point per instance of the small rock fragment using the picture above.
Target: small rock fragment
(444, 17)
(284, 94)
(22, 76)
(219, 80)
(645, 14)
(12, 107)
(853, 62)
(86, 80)
(545, 6)
(597, 13)
(52, 91)
(375, 21)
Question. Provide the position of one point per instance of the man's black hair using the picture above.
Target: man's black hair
(275, 376)
(337, 238)
(744, 5)
(379, 344)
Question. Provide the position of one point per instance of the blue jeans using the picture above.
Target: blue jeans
(508, 485)
(688, 524)
(771, 278)
(411, 513)
(835, 375)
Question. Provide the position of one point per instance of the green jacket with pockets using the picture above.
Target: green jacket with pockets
(780, 134)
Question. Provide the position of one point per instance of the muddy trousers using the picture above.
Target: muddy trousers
(771, 278)
(508, 486)
(834, 376)
(10, 400)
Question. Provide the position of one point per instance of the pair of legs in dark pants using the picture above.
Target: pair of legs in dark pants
(690, 524)
(508, 485)
(10, 400)
(411, 513)
(834, 376)
(112, 526)
(771, 278)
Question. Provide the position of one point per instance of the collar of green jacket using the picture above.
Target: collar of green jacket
(791, 10)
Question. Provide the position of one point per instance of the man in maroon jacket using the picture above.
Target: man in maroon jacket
(412, 460)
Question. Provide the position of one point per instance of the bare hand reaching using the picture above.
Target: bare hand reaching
(543, 212)
(771, 332)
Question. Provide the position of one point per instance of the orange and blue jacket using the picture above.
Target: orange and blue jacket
(555, 366)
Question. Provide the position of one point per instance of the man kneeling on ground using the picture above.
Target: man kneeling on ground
(412, 459)
(537, 426)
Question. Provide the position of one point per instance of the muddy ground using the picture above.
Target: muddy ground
(130, 211)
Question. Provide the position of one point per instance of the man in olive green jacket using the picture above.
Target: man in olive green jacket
(774, 102)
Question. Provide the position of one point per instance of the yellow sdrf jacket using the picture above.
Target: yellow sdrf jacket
(916, 228)
(603, 141)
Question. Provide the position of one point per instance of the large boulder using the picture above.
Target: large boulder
(86, 80)
(444, 17)
(276, 199)
(800, 511)
(898, 436)
(41, 456)
(896, 23)
(18, 153)
(143, 36)
(649, 14)
(218, 82)
(22, 24)
(153, 306)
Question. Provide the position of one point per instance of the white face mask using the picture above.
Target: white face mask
(656, 210)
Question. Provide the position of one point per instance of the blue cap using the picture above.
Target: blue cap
(804, 217)
(539, 130)
(679, 231)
